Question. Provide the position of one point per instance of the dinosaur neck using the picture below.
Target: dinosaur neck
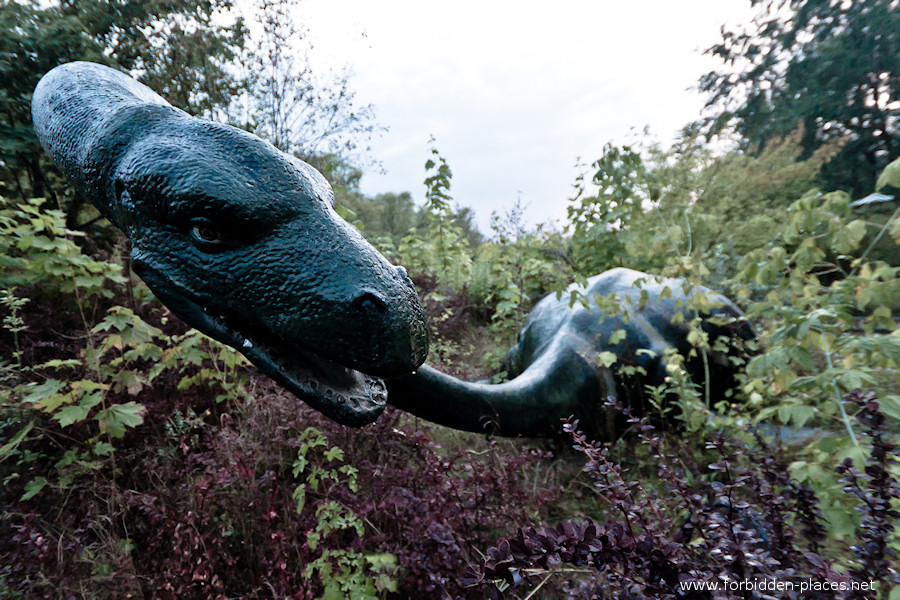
(531, 405)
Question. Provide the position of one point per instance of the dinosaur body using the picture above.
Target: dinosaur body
(555, 369)
(241, 241)
(238, 239)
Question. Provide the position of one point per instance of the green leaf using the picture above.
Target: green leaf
(895, 593)
(71, 414)
(889, 405)
(335, 453)
(889, 177)
(7, 448)
(617, 336)
(102, 449)
(118, 417)
(895, 235)
(798, 414)
(300, 496)
(312, 540)
(848, 238)
(698, 338)
(505, 307)
(38, 392)
(131, 381)
(32, 488)
(115, 319)
(67, 459)
(86, 385)
(765, 413)
(149, 351)
(55, 401)
(606, 359)
(852, 379)
(56, 363)
(91, 400)
(384, 560)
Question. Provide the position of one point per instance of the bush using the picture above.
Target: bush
(736, 523)
(146, 459)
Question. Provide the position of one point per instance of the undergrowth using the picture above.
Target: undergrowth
(736, 527)
(141, 459)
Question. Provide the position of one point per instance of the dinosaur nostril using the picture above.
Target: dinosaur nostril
(370, 304)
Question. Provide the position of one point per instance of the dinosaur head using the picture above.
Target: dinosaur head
(238, 239)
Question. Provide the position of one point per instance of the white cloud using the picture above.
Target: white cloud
(515, 92)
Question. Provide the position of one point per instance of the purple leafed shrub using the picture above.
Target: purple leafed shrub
(198, 505)
(430, 507)
(742, 520)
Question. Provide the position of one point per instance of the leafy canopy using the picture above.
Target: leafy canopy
(829, 66)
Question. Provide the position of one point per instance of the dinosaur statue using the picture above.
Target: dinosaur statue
(238, 239)
(555, 369)
(241, 242)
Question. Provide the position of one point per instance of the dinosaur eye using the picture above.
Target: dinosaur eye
(205, 234)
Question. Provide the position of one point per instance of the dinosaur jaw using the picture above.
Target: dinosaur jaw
(342, 394)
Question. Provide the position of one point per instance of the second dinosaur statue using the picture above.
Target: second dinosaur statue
(558, 367)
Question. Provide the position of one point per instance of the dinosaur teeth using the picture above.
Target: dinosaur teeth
(376, 386)
(339, 391)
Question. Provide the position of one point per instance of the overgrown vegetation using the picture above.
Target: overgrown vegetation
(213, 482)
(230, 486)
(735, 525)
(141, 459)
(828, 67)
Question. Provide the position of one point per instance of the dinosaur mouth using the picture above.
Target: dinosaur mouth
(342, 394)
(345, 395)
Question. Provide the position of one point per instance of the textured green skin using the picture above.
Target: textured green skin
(305, 298)
(554, 369)
(285, 280)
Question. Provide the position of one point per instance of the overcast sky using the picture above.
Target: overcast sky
(515, 92)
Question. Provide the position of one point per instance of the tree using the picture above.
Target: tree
(604, 210)
(656, 209)
(180, 49)
(32, 41)
(830, 66)
(194, 54)
(297, 109)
